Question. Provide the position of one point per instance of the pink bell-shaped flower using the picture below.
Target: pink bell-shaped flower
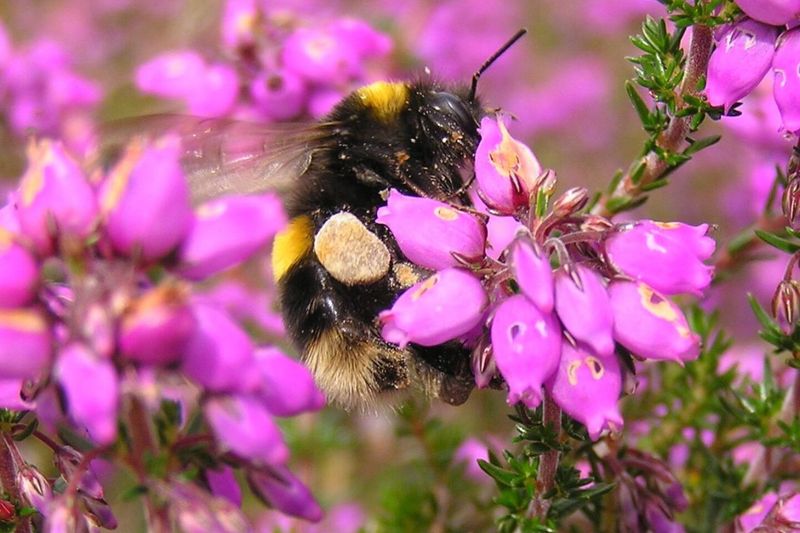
(25, 343)
(447, 305)
(585, 310)
(526, 345)
(667, 256)
(242, 424)
(740, 61)
(19, 272)
(533, 273)
(281, 489)
(774, 12)
(587, 386)
(786, 87)
(506, 170)
(287, 387)
(649, 324)
(429, 232)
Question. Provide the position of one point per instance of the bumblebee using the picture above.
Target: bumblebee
(335, 267)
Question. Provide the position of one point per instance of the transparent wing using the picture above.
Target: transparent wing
(225, 156)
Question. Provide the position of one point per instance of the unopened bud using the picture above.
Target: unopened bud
(484, 367)
(34, 487)
(7, 510)
(790, 201)
(786, 304)
(572, 201)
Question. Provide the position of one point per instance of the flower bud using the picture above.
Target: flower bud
(155, 329)
(145, 200)
(429, 232)
(227, 231)
(279, 94)
(279, 488)
(650, 325)
(527, 346)
(506, 170)
(223, 484)
(7, 511)
(584, 308)
(740, 61)
(54, 198)
(447, 305)
(774, 12)
(786, 87)
(243, 425)
(531, 268)
(786, 304)
(19, 272)
(587, 386)
(287, 387)
(24, 343)
(95, 406)
(33, 487)
(572, 201)
(790, 202)
(220, 355)
(667, 256)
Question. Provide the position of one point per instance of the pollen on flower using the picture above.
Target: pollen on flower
(572, 371)
(595, 366)
(211, 210)
(505, 157)
(656, 305)
(424, 287)
(22, 320)
(446, 213)
(117, 179)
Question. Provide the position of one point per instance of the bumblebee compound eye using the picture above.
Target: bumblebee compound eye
(450, 109)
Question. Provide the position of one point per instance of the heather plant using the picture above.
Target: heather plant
(633, 333)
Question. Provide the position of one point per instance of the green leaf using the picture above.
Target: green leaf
(701, 144)
(638, 103)
(501, 476)
(780, 243)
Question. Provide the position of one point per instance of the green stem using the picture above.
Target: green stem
(548, 462)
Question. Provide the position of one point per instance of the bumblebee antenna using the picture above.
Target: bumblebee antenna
(488, 63)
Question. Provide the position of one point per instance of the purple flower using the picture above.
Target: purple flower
(157, 326)
(501, 231)
(95, 406)
(527, 347)
(19, 272)
(10, 397)
(361, 38)
(752, 518)
(223, 484)
(587, 386)
(506, 170)
(54, 198)
(220, 355)
(239, 23)
(447, 231)
(468, 453)
(24, 343)
(667, 256)
(775, 12)
(287, 387)
(172, 74)
(584, 308)
(227, 231)
(216, 93)
(243, 425)
(789, 511)
(145, 201)
(279, 488)
(741, 59)
(531, 268)
(279, 94)
(786, 87)
(318, 55)
(447, 305)
(649, 324)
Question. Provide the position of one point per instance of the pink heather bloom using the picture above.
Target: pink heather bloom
(788, 513)
(34, 488)
(216, 94)
(531, 268)
(243, 425)
(227, 231)
(506, 170)
(54, 197)
(667, 256)
(446, 230)
(741, 59)
(93, 406)
(279, 488)
(19, 272)
(287, 387)
(526, 345)
(220, 354)
(25, 343)
(649, 324)
(500, 232)
(774, 12)
(447, 305)
(587, 386)
(468, 453)
(156, 327)
(223, 484)
(239, 23)
(585, 310)
(145, 201)
(172, 74)
(786, 86)
(752, 518)
(362, 38)
(279, 94)
(319, 56)
(10, 397)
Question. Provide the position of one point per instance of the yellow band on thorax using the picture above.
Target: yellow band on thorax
(385, 99)
(291, 245)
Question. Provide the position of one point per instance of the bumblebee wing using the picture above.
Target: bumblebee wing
(225, 156)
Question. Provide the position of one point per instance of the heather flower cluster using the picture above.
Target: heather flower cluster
(275, 69)
(104, 325)
(554, 301)
(746, 51)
